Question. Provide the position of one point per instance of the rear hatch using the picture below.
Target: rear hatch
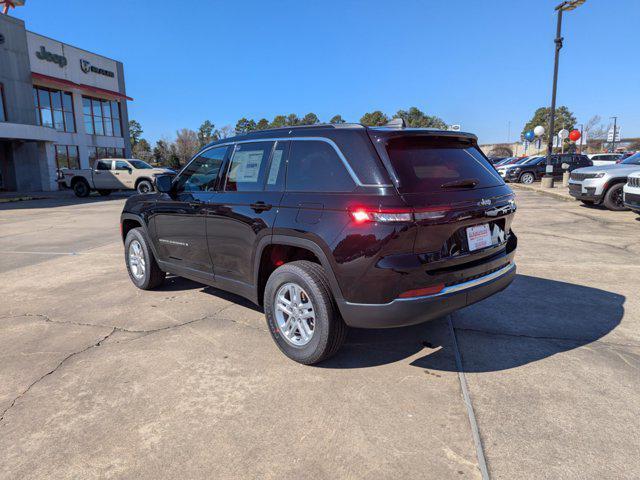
(462, 206)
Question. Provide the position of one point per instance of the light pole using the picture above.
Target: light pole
(547, 180)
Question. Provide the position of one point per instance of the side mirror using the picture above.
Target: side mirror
(164, 183)
(130, 170)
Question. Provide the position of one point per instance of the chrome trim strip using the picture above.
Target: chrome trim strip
(343, 159)
(447, 290)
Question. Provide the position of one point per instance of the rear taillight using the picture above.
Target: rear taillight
(362, 215)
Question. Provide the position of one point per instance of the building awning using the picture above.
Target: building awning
(87, 88)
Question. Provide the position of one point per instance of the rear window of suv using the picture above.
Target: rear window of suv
(433, 163)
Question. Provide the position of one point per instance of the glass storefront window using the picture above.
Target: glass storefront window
(67, 156)
(102, 117)
(54, 109)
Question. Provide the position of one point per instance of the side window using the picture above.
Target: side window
(314, 166)
(247, 167)
(120, 165)
(201, 174)
(103, 165)
(277, 168)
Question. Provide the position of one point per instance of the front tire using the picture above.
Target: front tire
(141, 264)
(81, 189)
(144, 186)
(613, 199)
(301, 313)
(527, 178)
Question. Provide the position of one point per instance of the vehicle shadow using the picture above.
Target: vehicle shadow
(534, 318)
(59, 199)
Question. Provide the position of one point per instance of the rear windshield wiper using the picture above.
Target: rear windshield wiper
(464, 183)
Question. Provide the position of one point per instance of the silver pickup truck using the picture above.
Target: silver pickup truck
(111, 174)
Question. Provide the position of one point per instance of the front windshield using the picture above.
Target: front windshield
(632, 160)
(139, 164)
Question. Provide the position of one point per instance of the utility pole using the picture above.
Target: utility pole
(613, 145)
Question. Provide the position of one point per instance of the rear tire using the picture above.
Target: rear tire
(613, 198)
(527, 178)
(104, 193)
(144, 186)
(328, 328)
(81, 188)
(141, 264)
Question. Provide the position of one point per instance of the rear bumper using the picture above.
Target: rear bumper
(411, 311)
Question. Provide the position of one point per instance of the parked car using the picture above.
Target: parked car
(111, 174)
(534, 167)
(494, 160)
(502, 169)
(603, 183)
(631, 192)
(330, 226)
(604, 158)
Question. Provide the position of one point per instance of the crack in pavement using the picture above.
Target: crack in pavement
(71, 355)
(114, 330)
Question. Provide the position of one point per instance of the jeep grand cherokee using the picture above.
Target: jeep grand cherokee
(330, 226)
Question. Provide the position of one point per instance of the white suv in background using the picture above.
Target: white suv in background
(604, 158)
(632, 192)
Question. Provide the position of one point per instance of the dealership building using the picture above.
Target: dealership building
(60, 106)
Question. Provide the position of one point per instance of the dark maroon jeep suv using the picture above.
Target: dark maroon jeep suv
(329, 226)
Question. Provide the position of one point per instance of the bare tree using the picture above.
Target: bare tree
(595, 132)
(225, 132)
(187, 144)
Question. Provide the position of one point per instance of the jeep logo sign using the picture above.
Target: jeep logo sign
(42, 54)
(86, 67)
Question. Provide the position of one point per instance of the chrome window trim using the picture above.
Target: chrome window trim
(343, 159)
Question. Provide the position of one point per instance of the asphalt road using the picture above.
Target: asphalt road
(99, 379)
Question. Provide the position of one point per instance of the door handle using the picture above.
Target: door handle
(260, 206)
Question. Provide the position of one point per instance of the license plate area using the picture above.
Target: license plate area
(459, 243)
(479, 237)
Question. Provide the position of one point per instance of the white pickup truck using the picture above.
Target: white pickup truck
(111, 174)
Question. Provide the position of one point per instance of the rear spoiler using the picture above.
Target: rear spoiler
(380, 136)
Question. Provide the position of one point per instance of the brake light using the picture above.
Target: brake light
(399, 215)
(421, 292)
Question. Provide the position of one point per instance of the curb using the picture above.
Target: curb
(548, 193)
(17, 199)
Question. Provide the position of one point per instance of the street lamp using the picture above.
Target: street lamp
(547, 180)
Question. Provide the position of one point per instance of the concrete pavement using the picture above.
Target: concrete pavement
(99, 379)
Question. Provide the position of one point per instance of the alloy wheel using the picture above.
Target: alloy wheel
(136, 260)
(295, 315)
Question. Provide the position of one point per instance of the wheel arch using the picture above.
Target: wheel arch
(296, 242)
(129, 221)
(142, 179)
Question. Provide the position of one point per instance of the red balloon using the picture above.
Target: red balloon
(574, 135)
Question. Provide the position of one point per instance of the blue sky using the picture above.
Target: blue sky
(477, 63)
